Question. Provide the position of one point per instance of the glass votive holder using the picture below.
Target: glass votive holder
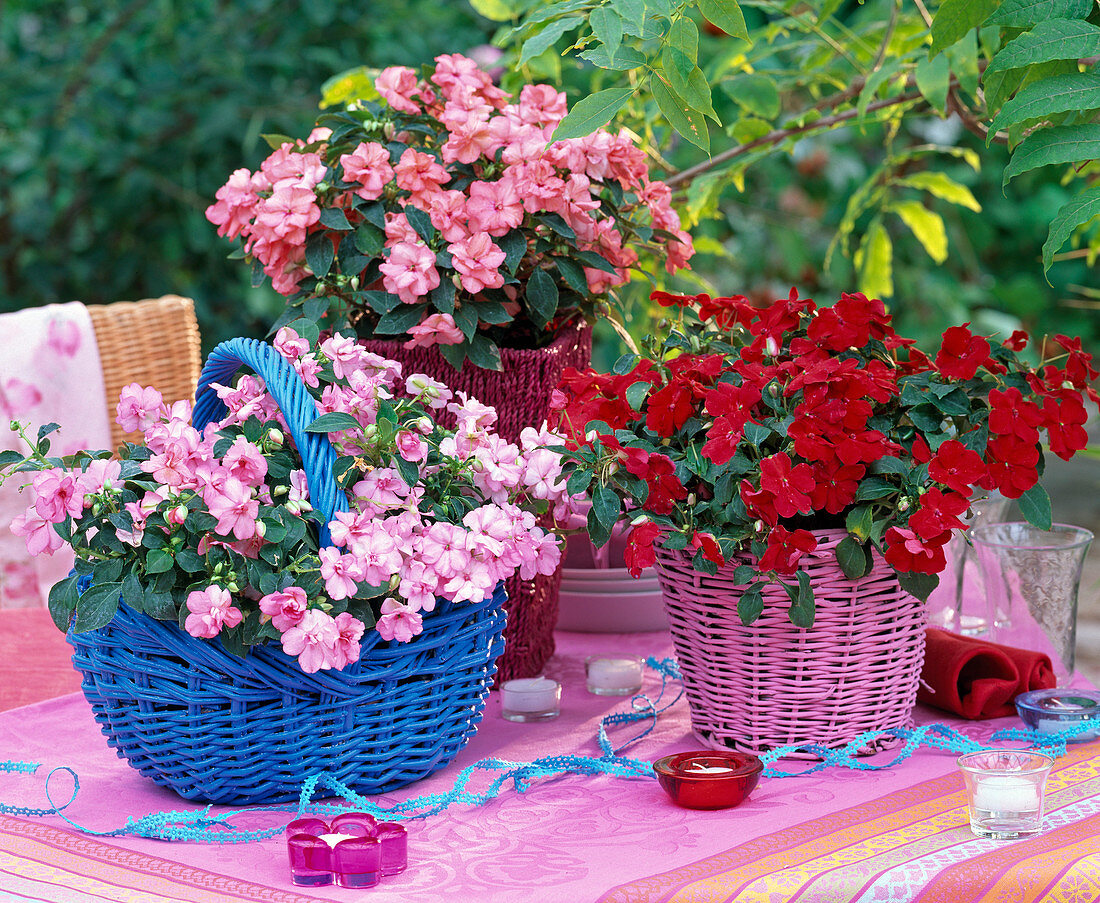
(357, 861)
(310, 860)
(395, 847)
(1054, 711)
(530, 699)
(607, 675)
(1005, 792)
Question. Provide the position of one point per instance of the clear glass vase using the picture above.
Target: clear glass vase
(1031, 579)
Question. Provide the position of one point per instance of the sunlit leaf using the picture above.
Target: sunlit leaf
(874, 261)
(688, 122)
(592, 112)
(726, 14)
(926, 225)
(943, 187)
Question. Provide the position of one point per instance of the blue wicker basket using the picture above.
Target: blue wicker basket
(223, 729)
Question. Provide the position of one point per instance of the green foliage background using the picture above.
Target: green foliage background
(119, 121)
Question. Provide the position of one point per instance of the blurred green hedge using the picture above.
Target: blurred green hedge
(119, 121)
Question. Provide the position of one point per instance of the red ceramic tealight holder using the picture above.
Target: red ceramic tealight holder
(708, 779)
(353, 850)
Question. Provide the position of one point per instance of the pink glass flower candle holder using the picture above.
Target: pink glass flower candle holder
(708, 779)
(353, 850)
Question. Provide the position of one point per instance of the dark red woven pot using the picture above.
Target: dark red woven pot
(521, 395)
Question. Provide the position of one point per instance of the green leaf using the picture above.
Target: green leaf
(633, 11)
(592, 112)
(684, 36)
(133, 593)
(193, 563)
(443, 296)
(421, 221)
(1059, 94)
(943, 187)
(1058, 39)
(626, 58)
(802, 609)
(465, 317)
(919, 585)
(1025, 13)
(874, 261)
(594, 260)
(933, 79)
(853, 557)
(369, 239)
(726, 14)
(334, 218)
(159, 561)
(547, 38)
(925, 225)
(493, 10)
(542, 297)
(333, 422)
(1035, 507)
(1047, 147)
(859, 521)
(1070, 216)
(275, 140)
(688, 122)
(636, 394)
(572, 274)
(597, 532)
(875, 81)
(688, 81)
(514, 246)
(955, 18)
(605, 505)
(96, 608)
(750, 605)
(756, 93)
(483, 353)
(62, 601)
(400, 319)
(607, 25)
(319, 254)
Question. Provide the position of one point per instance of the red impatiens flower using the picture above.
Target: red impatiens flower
(938, 513)
(669, 409)
(956, 466)
(665, 488)
(1017, 341)
(1064, 419)
(961, 353)
(665, 299)
(709, 546)
(835, 486)
(639, 553)
(850, 323)
(1010, 414)
(1079, 367)
(785, 548)
(905, 551)
(1012, 465)
(790, 486)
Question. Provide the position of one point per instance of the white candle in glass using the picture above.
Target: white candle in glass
(530, 699)
(1006, 793)
(613, 676)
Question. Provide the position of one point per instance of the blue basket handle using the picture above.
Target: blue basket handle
(298, 407)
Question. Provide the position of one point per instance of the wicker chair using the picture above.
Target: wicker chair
(154, 342)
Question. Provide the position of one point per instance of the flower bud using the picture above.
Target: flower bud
(370, 432)
(177, 515)
(639, 520)
(691, 498)
(758, 526)
(424, 425)
(903, 505)
(279, 490)
(233, 586)
(275, 438)
(261, 529)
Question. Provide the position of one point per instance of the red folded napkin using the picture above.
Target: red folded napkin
(978, 679)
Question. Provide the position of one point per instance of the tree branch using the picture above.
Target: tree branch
(777, 136)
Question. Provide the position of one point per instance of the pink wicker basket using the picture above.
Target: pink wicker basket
(773, 684)
(521, 395)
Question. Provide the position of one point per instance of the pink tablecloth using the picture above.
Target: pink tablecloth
(845, 836)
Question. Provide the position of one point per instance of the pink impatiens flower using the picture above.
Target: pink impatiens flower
(41, 538)
(211, 608)
(410, 446)
(139, 407)
(410, 271)
(57, 495)
(369, 165)
(286, 608)
(398, 622)
(341, 573)
(235, 509)
(437, 329)
(494, 207)
(346, 650)
(478, 262)
(397, 85)
(313, 640)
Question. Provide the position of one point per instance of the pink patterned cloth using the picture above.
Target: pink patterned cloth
(566, 839)
(50, 372)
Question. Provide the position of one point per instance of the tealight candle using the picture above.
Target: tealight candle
(1005, 790)
(530, 699)
(613, 676)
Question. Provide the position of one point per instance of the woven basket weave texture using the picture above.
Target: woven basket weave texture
(521, 395)
(773, 684)
(153, 342)
(215, 727)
